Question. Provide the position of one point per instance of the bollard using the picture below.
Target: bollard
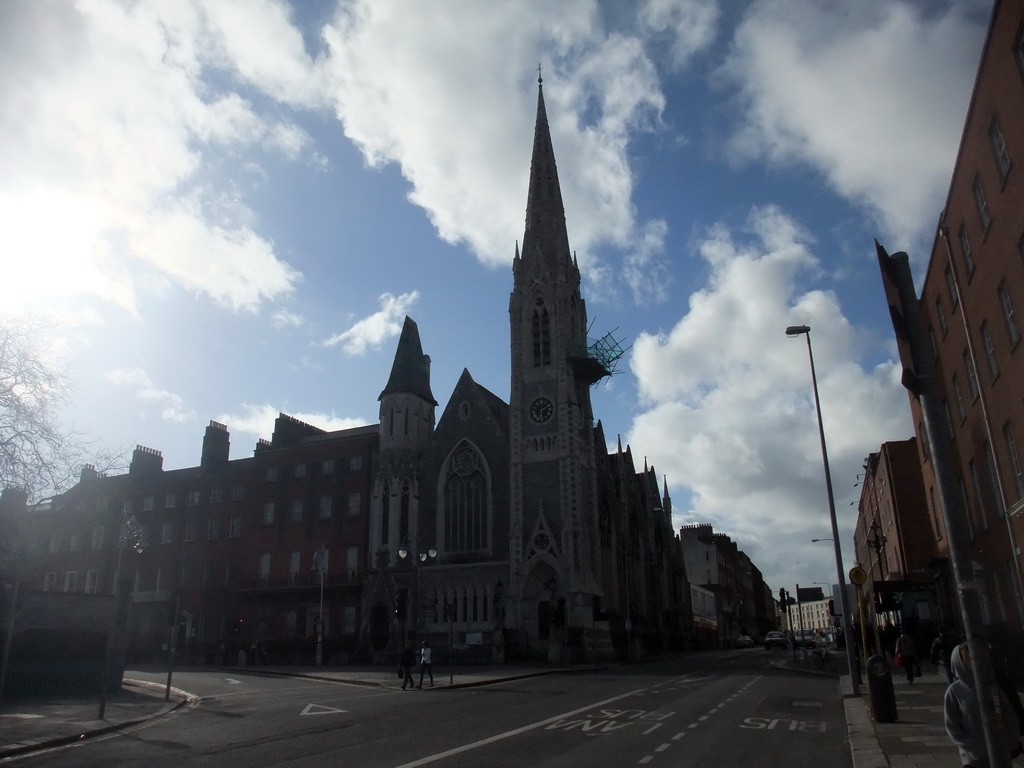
(880, 691)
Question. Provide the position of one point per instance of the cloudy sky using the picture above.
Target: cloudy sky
(227, 207)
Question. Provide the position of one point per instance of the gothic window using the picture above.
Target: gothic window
(541, 335)
(385, 514)
(466, 497)
(403, 521)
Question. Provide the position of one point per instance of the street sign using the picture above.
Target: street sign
(858, 576)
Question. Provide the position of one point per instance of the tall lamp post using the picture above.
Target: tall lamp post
(418, 559)
(320, 562)
(129, 535)
(805, 330)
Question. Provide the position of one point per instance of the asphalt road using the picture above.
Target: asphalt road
(708, 709)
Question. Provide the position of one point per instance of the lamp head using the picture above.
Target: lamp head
(798, 330)
(403, 553)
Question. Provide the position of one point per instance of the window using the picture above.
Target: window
(327, 468)
(541, 329)
(385, 513)
(167, 532)
(70, 581)
(403, 513)
(352, 563)
(237, 492)
(1011, 449)
(92, 580)
(294, 559)
(348, 618)
(297, 511)
(169, 501)
(148, 504)
(264, 569)
(98, 534)
(355, 463)
(325, 507)
(965, 251)
(951, 287)
(990, 351)
(268, 513)
(980, 521)
(191, 526)
(213, 528)
(1009, 318)
(940, 313)
(271, 474)
(981, 203)
(993, 477)
(75, 542)
(958, 395)
(998, 142)
(193, 498)
(216, 495)
(972, 375)
(353, 503)
(49, 582)
(466, 499)
(299, 470)
(235, 530)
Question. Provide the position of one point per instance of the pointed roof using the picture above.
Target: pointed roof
(410, 373)
(546, 236)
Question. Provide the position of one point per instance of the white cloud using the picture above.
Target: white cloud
(170, 405)
(259, 420)
(107, 121)
(468, 164)
(373, 331)
(871, 95)
(282, 318)
(729, 413)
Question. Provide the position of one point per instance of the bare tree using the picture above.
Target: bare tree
(37, 453)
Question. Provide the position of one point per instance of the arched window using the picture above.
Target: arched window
(403, 520)
(466, 497)
(541, 335)
(385, 514)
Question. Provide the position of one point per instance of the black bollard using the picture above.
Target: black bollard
(880, 691)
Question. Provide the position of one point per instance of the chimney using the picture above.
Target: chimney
(216, 446)
(146, 461)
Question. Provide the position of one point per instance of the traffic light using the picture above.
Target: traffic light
(400, 603)
(831, 607)
(783, 600)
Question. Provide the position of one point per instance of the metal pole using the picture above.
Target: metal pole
(172, 643)
(109, 654)
(840, 575)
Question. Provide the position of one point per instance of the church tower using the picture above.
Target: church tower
(406, 427)
(553, 506)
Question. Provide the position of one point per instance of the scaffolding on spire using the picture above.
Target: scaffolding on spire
(594, 359)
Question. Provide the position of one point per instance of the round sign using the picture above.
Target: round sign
(858, 575)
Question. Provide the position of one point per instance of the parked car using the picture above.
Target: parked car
(744, 641)
(775, 639)
(804, 638)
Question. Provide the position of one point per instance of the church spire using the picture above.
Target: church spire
(410, 373)
(546, 238)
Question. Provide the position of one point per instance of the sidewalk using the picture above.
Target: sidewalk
(917, 738)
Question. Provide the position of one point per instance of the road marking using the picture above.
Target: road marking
(653, 728)
(663, 747)
(508, 734)
(320, 709)
(232, 681)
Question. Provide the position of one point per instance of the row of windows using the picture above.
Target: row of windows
(297, 570)
(299, 471)
(297, 509)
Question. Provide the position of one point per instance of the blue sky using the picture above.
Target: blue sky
(227, 208)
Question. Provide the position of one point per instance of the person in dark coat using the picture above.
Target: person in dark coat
(941, 650)
(405, 664)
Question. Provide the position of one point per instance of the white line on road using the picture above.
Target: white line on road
(514, 732)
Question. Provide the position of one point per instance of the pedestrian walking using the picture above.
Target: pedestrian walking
(405, 664)
(425, 664)
(940, 651)
(962, 714)
(906, 655)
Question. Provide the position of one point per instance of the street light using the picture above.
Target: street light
(320, 562)
(824, 584)
(129, 535)
(418, 559)
(804, 330)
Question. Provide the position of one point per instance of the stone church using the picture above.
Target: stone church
(508, 528)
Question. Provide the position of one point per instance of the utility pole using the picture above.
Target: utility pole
(918, 377)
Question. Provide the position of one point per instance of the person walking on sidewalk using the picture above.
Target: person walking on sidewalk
(405, 664)
(906, 655)
(962, 714)
(425, 664)
(941, 650)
